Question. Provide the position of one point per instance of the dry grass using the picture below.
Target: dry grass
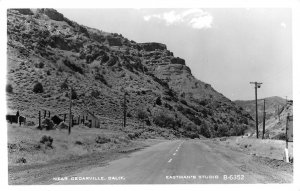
(25, 142)
(270, 148)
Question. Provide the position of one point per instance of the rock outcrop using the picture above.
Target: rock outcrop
(151, 46)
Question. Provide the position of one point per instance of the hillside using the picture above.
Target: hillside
(272, 104)
(47, 48)
(275, 127)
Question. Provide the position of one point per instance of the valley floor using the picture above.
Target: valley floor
(184, 162)
(157, 161)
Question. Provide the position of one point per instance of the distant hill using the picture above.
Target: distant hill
(275, 126)
(272, 105)
(46, 49)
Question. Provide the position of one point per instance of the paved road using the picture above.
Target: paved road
(178, 161)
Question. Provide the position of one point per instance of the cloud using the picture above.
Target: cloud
(195, 18)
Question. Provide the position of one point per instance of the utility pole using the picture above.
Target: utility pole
(39, 119)
(278, 112)
(257, 85)
(264, 120)
(70, 111)
(124, 109)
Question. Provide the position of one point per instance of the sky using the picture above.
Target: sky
(225, 47)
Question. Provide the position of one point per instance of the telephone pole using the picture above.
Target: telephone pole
(257, 85)
(124, 109)
(278, 112)
(70, 111)
(264, 120)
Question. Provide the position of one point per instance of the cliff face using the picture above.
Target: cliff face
(46, 47)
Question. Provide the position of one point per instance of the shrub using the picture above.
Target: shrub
(30, 123)
(222, 131)
(158, 101)
(47, 140)
(21, 160)
(191, 135)
(38, 88)
(64, 85)
(39, 65)
(47, 124)
(165, 121)
(78, 143)
(9, 88)
(204, 102)
(129, 114)
(74, 94)
(95, 93)
(142, 115)
(100, 139)
(134, 135)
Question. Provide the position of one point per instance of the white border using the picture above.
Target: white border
(294, 4)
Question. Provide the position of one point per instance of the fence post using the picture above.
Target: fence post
(45, 114)
(39, 119)
(286, 139)
(49, 114)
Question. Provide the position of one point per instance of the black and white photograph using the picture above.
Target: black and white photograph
(139, 96)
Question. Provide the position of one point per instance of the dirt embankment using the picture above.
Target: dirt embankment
(267, 152)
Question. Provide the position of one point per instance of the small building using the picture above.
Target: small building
(86, 117)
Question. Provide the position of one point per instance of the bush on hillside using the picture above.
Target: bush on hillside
(47, 140)
(39, 65)
(100, 139)
(64, 85)
(47, 124)
(74, 94)
(158, 101)
(204, 130)
(38, 88)
(142, 115)
(222, 131)
(95, 93)
(9, 88)
(164, 121)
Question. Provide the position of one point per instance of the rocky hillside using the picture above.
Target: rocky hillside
(275, 125)
(46, 50)
(271, 105)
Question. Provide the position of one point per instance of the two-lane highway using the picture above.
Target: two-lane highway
(178, 161)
